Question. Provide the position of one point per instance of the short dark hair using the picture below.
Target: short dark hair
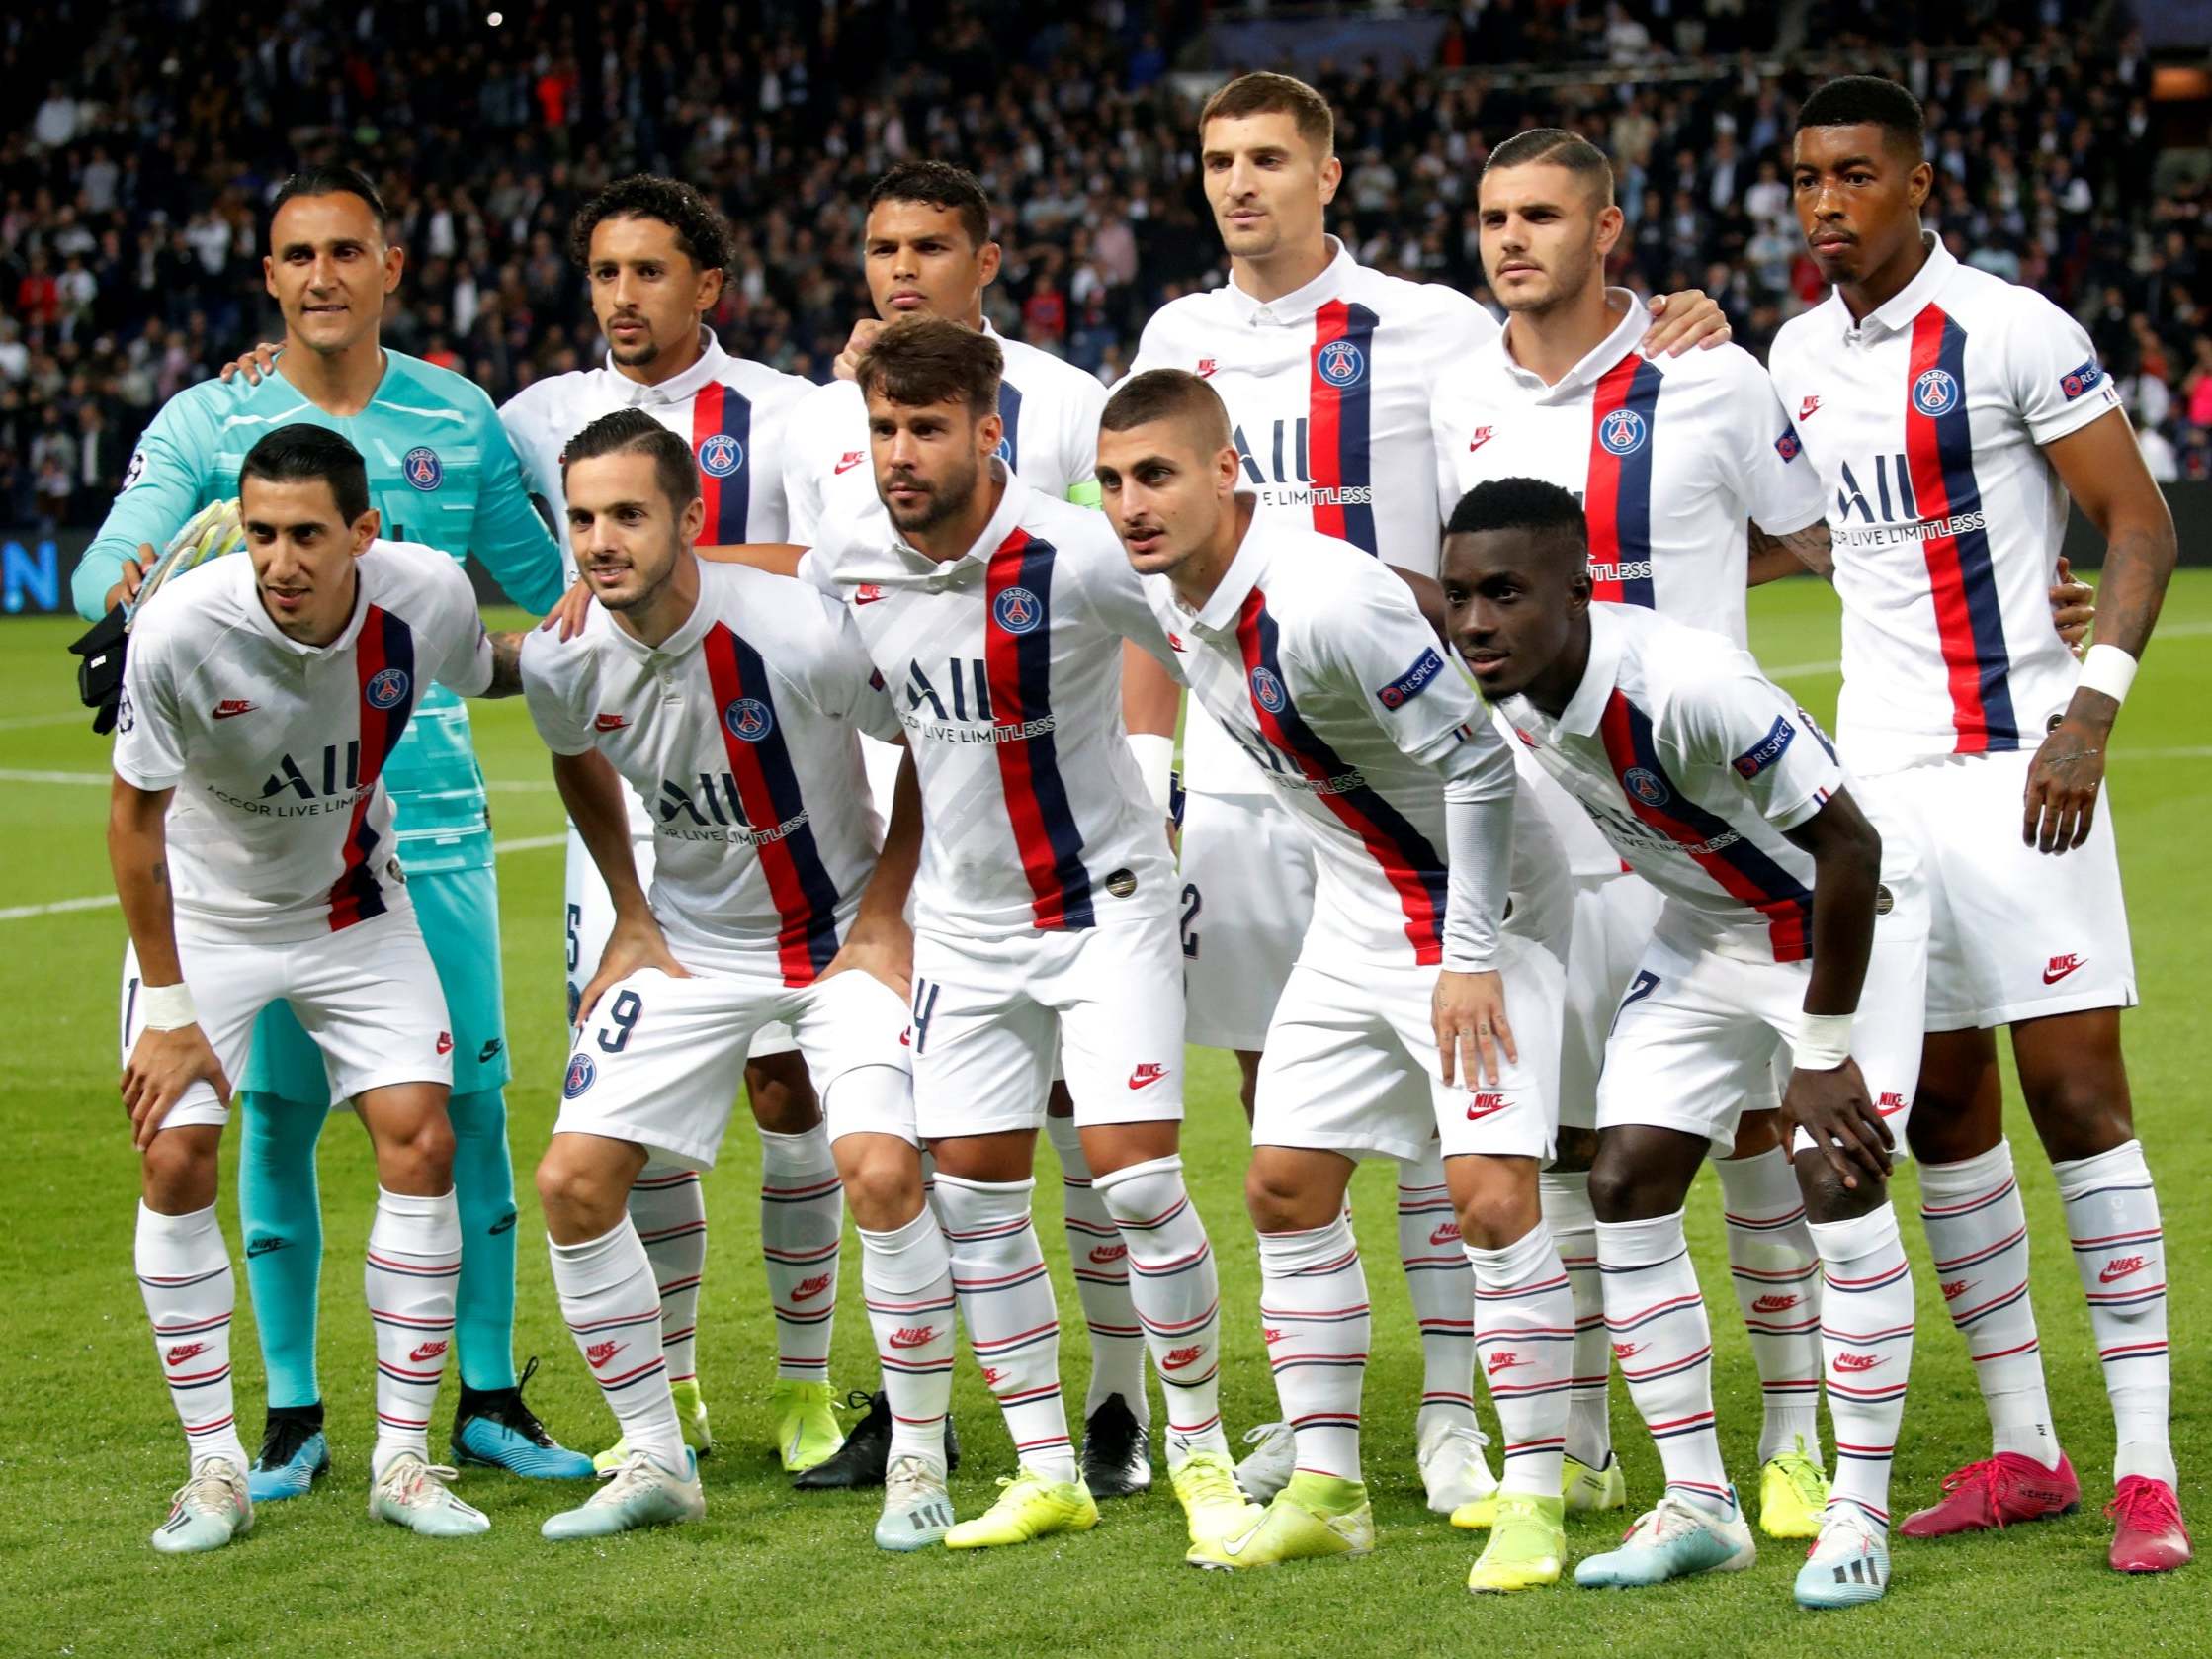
(920, 360)
(1265, 93)
(1166, 395)
(1869, 100)
(940, 185)
(1560, 148)
(303, 453)
(1519, 504)
(635, 432)
(702, 233)
(331, 179)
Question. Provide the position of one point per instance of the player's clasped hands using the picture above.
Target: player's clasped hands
(162, 1065)
(1468, 1012)
(1833, 1108)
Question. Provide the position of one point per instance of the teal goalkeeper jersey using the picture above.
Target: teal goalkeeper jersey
(441, 472)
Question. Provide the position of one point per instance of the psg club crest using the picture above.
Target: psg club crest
(1645, 785)
(1787, 446)
(1006, 450)
(749, 720)
(720, 455)
(582, 1074)
(386, 688)
(1622, 432)
(1339, 363)
(1016, 610)
(1267, 691)
(422, 468)
(1936, 393)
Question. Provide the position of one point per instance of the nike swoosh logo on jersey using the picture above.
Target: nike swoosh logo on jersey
(230, 708)
(847, 462)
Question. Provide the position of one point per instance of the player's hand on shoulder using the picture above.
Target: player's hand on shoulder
(883, 946)
(633, 945)
(1472, 1030)
(570, 613)
(255, 365)
(847, 366)
(1681, 321)
(1833, 1109)
(2073, 607)
(161, 1067)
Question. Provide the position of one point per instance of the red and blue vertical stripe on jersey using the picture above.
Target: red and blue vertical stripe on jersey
(384, 669)
(1740, 869)
(1341, 375)
(1969, 619)
(1018, 662)
(1617, 498)
(721, 429)
(798, 883)
(1414, 868)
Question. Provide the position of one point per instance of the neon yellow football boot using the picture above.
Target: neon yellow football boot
(807, 1430)
(1793, 1494)
(1214, 1505)
(1527, 1547)
(1585, 1489)
(1030, 1507)
(690, 1417)
(1313, 1517)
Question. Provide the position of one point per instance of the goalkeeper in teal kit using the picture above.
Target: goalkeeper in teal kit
(441, 472)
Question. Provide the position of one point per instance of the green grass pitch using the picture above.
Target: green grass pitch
(88, 1449)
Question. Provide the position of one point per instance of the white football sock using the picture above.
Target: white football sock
(669, 1208)
(1524, 1329)
(1442, 1292)
(1866, 1342)
(607, 1297)
(802, 1229)
(2119, 1251)
(1656, 1317)
(1313, 1313)
(1177, 1294)
(1566, 1196)
(184, 1274)
(1776, 1273)
(412, 1274)
(1006, 1301)
(1101, 1265)
(906, 1273)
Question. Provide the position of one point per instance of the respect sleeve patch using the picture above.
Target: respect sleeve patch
(1766, 750)
(1411, 683)
(2075, 382)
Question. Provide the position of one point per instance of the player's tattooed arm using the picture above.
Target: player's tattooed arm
(163, 1064)
(1808, 549)
(1831, 1102)
(506, 665)
(2102, 468)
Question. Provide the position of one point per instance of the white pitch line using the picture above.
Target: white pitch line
(106, 901)
(13, 774)
(28, 722)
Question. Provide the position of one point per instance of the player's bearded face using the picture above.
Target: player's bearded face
(645, 293)
(627, 534)
(1266, 184)
(302, 551)
(1542, 236)
(329, 269)
(1508, 606)
(929, 459)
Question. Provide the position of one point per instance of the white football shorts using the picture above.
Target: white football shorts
(662, 1060)
(1248, 874)
(366, 995)
(1352, 1066)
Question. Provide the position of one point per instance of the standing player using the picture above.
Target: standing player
(1671, 458)
(737, 695)
(656, 253)
(251, 836)
(1951, 415)
(1787, 919)
(441, 473)
(1329, 372)
(929, 253)
(1044, 908)
(1332, 684)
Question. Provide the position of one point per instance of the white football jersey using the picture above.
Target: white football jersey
(1693, 763)
(1669, 457)
(1926, 423)
(735, 413)
(281, 827)
(1005, 666)
(1315, 659)
(738, 735)
(1049, 408)
(1329, 392)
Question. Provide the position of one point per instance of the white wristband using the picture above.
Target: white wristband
(1824, 1042)
(167, 1007)
(2109, 669)
(1155, 763)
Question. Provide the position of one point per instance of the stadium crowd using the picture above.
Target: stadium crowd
(131, 196)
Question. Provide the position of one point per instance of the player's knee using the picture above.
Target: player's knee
(2081, 1111)
(417, 1156)
(1826, 1198)
(580, 1195)
(883, 1189)
(1619, 1191)
(179, 1172)
(782, 1095)
(1574, 1151)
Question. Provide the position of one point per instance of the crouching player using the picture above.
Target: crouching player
(1787, 919)
(731, 702)
(253, 841)
(1316, 659)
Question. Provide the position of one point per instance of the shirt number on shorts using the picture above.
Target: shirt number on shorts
(622, 1016)
(1645, 983)
(575, 919)
(1192, 904)
(925, 1006)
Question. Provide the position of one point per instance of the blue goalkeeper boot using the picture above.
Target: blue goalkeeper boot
(493, 1429)
(294, 1454)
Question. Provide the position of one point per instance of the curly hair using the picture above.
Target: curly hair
(702, 233)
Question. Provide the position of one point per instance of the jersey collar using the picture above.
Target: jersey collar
(1600, 675)
(677, 388)
(1300, 305)
(1221, 612)
(679, 643)
(1011, 506)
(1907, 303)
(1627, 335)
(258, 616)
